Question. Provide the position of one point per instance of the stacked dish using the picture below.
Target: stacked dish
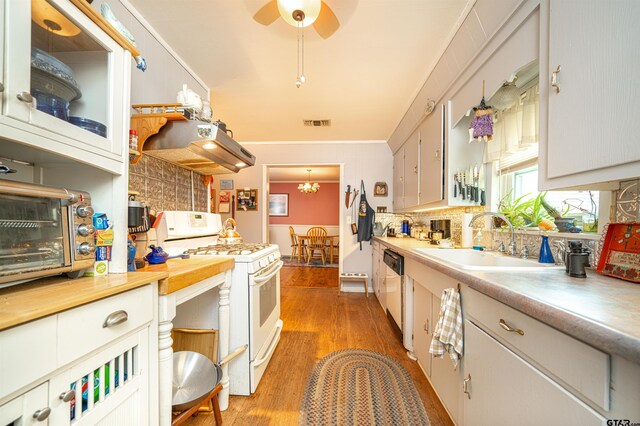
(54, 87)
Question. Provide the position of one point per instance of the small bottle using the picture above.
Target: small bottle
(133, 139)
(477, 245)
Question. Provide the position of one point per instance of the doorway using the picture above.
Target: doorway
(292, 210)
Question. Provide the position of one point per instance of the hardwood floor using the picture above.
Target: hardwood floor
(305, 276)
(318, 321)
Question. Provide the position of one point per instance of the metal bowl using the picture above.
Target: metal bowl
(194, 377)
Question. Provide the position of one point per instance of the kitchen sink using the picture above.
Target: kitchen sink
(475, 260)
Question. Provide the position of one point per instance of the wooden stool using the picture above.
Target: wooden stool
(193, 411)
(351, 276)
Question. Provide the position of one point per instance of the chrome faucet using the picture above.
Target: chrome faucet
(512, 246)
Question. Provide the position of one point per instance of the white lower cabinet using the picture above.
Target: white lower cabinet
(502, 389)
(30, 408)
(421, 326)
(105, 383)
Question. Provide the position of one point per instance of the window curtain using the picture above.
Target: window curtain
(515, 131)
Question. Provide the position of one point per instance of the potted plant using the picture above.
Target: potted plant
(513, 210)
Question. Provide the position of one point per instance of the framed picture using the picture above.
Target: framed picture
(247, 199)
(224, 208)
(278, 204)
(225, 196)
(226, 183)
(380, 190)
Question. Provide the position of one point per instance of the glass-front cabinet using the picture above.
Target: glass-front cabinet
(64, 77)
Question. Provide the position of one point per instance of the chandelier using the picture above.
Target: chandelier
(309, 187)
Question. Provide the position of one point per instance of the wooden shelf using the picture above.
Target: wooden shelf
(149, 124)
(100, 21)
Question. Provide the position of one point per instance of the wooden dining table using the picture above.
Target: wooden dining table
(303, 237)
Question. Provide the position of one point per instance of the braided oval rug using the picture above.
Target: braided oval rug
(360, 387)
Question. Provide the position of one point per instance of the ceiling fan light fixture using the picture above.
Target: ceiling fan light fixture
(290, 9)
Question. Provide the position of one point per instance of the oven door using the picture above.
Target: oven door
(35, 237)
(264, 316)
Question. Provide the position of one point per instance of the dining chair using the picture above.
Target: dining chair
(296, 246)
(316, 242)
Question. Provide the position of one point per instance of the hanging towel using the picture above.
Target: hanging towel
(447, 336)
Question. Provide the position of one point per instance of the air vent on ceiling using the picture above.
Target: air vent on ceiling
(317, 123)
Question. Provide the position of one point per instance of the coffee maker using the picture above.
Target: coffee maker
(440, 229)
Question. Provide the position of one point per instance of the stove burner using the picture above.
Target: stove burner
(228, 249)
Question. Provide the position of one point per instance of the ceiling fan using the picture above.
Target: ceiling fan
(309, 12)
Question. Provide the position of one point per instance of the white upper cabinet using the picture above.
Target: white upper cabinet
(432, 157)
(589, 73)
(411, 170)
(398, 180)
(66, 83)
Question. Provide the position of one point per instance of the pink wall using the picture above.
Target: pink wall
(321, 208)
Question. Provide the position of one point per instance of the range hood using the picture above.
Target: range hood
(199, 146)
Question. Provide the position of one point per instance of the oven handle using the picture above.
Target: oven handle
(272, 347)
(263, 279)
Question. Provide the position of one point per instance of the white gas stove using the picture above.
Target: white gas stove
(255, 289)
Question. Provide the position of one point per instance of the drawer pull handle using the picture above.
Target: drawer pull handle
(509, 328)
(118, 317)
(42, 414)
(554, 79)
(25, 97)
(465, 386)
(67, 395)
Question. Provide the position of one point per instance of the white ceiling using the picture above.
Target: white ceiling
(363, 78)
(299, 174)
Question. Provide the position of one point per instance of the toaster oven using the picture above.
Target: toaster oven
(43, 231)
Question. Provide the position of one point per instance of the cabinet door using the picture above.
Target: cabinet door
(398, 180)
(110, 387)
(432, 136)
(592, 120)
(375, 259)
(63, 65)
(21, 410)
(422, 326)
(504, 390)
(446, 380)
(411, 170)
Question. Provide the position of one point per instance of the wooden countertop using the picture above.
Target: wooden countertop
(601, 311)
(185, 272)
(36, 299)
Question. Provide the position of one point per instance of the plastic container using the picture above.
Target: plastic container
(90, 125)
(51, 104)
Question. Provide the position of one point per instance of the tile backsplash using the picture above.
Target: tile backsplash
(627, 200)
(166, 186)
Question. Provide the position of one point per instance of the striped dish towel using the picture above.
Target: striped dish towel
(447, 336)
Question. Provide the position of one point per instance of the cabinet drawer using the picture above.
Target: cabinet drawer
(26, 355)
(578, 365)
(81, 330)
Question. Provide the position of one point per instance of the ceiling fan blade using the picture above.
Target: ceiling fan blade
(327, 22)
(267, 13)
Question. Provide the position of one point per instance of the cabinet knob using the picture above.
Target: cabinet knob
(437, 153)
(465, 386)
(1, 87)
(554, 79)
(25, 97)
(415, 169)
(85, 230)
(42, 414)
(115, 318)
(510, 329)
(67, 395)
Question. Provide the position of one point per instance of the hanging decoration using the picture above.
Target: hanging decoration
(481, 129)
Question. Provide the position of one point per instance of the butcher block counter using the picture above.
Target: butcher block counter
(47, 296)
(181, 273)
